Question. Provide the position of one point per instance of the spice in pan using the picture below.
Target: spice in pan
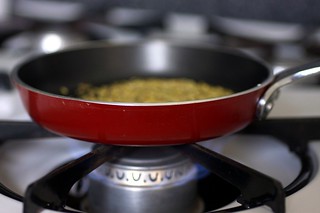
(151, 90)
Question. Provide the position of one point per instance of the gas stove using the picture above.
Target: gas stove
(271, 166)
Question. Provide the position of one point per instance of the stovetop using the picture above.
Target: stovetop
(266, 154)
(25, 158)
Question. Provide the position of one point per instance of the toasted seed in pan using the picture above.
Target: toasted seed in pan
(151, 90)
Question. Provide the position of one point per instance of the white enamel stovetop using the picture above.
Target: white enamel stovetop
(34, 158)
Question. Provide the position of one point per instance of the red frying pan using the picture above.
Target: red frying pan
(39, 80)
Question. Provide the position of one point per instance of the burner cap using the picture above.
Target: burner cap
(147, 180)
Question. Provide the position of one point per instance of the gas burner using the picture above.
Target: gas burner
(145, 178)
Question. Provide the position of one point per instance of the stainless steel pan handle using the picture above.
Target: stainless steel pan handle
(288, 76)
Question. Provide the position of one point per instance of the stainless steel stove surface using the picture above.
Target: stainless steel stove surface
(23, 161)
(275, 149)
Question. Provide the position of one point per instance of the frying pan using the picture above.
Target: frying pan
(39, 80)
